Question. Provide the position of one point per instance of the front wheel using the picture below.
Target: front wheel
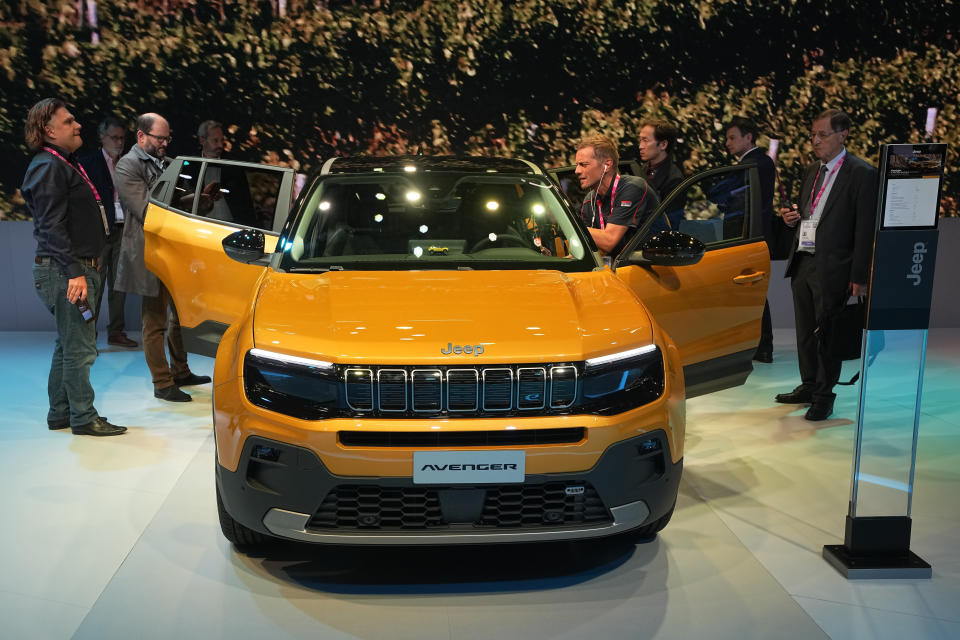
(235, 532)
(648, 532)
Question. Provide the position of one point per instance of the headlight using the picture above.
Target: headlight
(297, 387)
(619, 382)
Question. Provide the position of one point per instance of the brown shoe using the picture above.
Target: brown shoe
(121, 340)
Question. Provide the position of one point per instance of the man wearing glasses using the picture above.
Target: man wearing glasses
(100, 166)
(136, 172)
(830, 255)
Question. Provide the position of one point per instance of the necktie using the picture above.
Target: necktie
(821, 176)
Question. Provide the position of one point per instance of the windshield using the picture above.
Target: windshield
(434, 220)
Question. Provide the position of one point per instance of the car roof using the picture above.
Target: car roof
(401, 164)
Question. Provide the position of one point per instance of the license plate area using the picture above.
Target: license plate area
(468, 467)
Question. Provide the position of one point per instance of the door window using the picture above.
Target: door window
(714, 208)
(245, 196)
(185, 190)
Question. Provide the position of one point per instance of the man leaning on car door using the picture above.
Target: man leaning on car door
(136, 172)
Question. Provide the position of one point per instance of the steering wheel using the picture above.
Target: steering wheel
(507, 239)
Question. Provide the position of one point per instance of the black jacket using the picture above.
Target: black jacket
(845, 232)
(99, 173)
(775, 232)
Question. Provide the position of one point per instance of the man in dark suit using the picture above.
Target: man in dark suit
(99, 166)
(741, 143)
(830, 255)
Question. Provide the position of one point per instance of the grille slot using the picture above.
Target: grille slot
(563, 387)
(427, 390)
(518, 437)
(359, 383)
(531, 388)
(392, 389)
(463, 389)
(497, 389)
(367, 507)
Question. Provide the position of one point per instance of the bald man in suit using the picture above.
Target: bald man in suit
(830, 255)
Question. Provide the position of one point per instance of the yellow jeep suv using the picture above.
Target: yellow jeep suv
(431, 350)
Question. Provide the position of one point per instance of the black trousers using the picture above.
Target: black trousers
(819, 369)
(766, 330)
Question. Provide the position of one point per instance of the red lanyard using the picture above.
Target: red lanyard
(79, 169)
(815, 201)
(613, 191)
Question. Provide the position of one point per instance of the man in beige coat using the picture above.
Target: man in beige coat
(136, 172)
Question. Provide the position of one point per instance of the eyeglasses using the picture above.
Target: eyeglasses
(822, 135)
(166, 139)
(115, 138)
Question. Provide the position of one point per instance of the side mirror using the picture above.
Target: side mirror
(668, 249)
(245, 245)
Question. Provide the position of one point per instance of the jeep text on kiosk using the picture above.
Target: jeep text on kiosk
(877, 536)
(436, 353)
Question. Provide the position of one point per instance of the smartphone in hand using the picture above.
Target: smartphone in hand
(85, 310)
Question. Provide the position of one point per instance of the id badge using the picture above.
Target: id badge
(103, 217)
(808, 234)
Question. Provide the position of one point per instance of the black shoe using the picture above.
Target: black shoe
(797, 396)
(63, 425)
(99, 427)
(763, 355)
(172, 393)
(190, 380)
(819, 410)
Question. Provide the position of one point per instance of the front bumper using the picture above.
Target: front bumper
(290, 494)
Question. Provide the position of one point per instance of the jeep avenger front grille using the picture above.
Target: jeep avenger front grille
(516, 506)
(458, 391)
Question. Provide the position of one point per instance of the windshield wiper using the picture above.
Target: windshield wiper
(333, 267)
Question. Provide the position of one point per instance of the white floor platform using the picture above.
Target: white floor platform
(108, 538)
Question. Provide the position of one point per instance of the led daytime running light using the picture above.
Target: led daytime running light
(621, 355)
(282, 357)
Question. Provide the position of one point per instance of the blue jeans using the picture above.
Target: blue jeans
(68, 386)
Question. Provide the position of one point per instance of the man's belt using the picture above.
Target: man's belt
(90, 262)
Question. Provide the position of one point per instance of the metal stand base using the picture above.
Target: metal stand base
(876, 565)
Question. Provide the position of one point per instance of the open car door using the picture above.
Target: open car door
(711, 309)
(194, 205)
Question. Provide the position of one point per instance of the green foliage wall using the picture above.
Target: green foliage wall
(524, 78)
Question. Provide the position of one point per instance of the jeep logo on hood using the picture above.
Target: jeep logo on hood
(457, 349)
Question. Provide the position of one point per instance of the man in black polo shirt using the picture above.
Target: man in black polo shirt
(70, 226)
(615, 205)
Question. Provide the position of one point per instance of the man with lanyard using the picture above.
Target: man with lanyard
(136, 173)
(70, 227)
(741, 143)
(615, 205)
(100, 167)
(831, 253)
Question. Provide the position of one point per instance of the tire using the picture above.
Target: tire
(648, 532)
(236, 533)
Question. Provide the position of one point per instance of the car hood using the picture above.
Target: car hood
(429, 317)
